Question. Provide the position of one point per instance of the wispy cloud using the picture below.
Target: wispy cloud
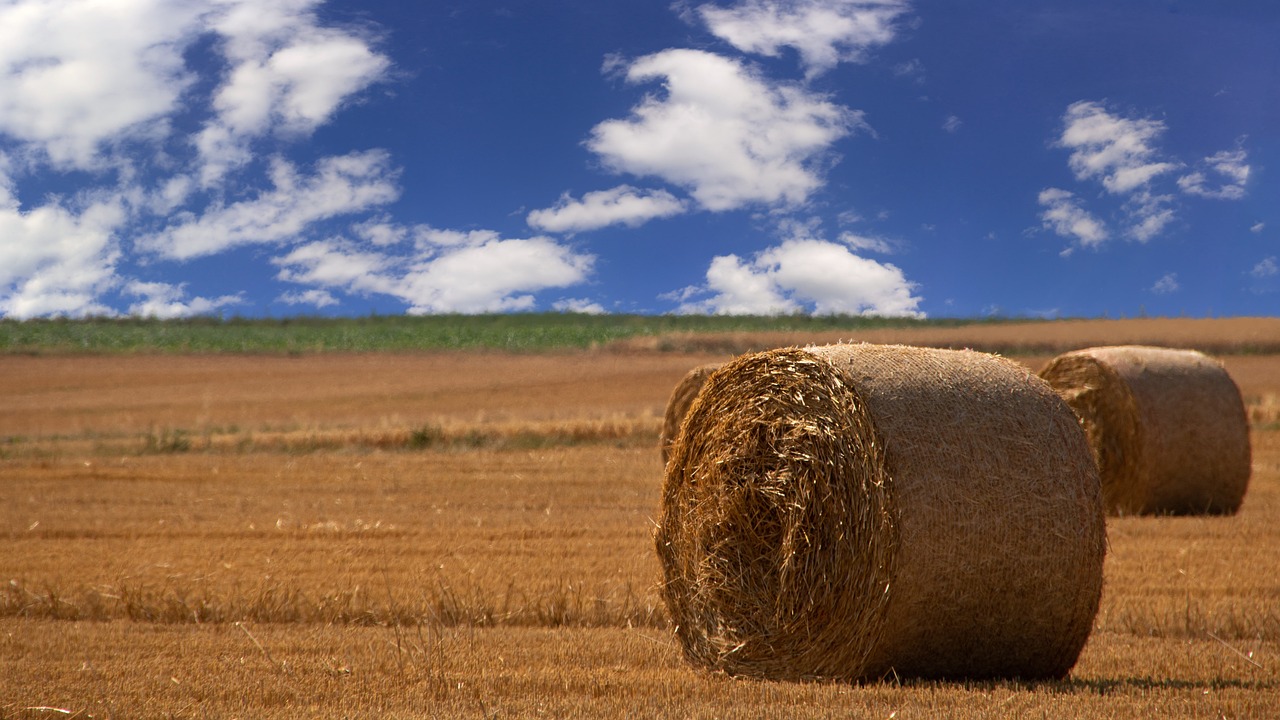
(1232, 169)
(623, 205)
(446, 270)
(728, 135)
(1266, 268)
(339, 186)
(1122, 154)
(1166, 285)
(823, 32)
(163, 300)
(810, 275)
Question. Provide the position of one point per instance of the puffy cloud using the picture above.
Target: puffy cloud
(805, 274)
(340, 185)
(492, 275)
(288, 74)
(622, 205)
(725, 133)
(1064, 215)
(76, 75)
(1230, 165)
(448, 271)
(1167, 284)
(1115, 150)
(56, 260)
(823, 32)
(162, 300)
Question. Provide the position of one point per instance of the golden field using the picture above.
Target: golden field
(470, 535)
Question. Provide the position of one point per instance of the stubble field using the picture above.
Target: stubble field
(454, 534)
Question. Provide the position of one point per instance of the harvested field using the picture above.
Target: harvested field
(471, 535)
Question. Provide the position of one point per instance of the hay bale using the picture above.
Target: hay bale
(678, 404)
(1167, 427)
(858, 511)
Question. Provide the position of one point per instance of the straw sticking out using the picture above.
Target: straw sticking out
(1167, 427)
(678, 404)
(854, 511)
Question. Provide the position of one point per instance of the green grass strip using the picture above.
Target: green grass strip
(521, 332)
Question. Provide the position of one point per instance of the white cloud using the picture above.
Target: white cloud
(380, 231)
(1149, 214)
(162, 300)
(1257, 227)
(1115, 150)
(1266, 268)
(315, 298)
(864, 242)
(80, 77)
(1233, 169)
(806, 274)
(1064, 215)
(76, 75)
(288, 74)
(449, 271)
(622, 205)
(823, 32)
(725, 133)
(340, 185)
(1167, 284)
(335, 263)
(56, 260)
(952, 124)
(579, 305)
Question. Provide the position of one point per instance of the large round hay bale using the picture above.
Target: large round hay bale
(678, 404)
(861, 511)
(1167, 427)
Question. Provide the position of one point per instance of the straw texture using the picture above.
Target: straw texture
(678, 404)
(857, 511)
(1167, 427)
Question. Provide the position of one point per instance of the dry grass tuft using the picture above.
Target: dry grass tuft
(860, 511)
(1167, 427)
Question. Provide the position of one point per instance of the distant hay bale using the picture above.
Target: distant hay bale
(1167, 427)
(862, 511)
(678, 404)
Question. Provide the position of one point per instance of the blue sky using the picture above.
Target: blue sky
(935, 158)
